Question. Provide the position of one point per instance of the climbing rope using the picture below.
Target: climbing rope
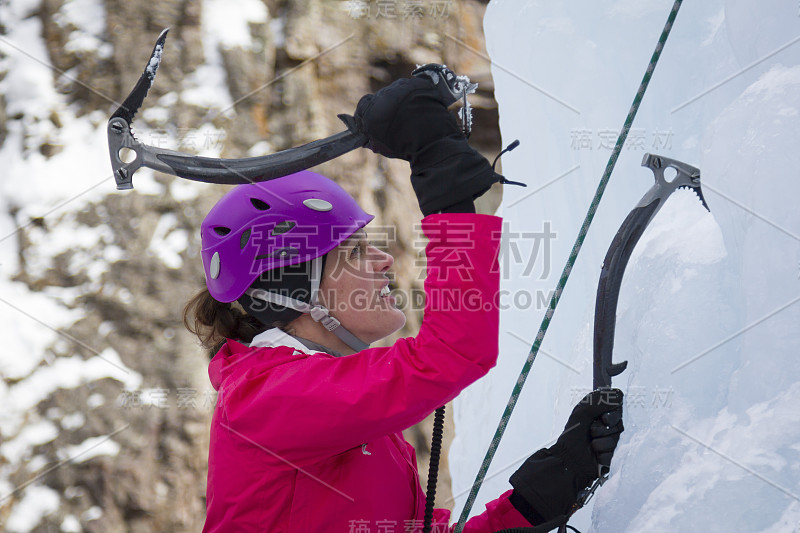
(612, 161)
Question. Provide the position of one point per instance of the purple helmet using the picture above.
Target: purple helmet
(263, 226)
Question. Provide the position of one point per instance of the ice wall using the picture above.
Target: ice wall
(710, 306)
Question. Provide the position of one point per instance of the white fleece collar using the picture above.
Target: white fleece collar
(272, 338)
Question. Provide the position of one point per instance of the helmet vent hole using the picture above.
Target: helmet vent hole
(222, 230)
(245, 238)
(261, 205)
(283, 227)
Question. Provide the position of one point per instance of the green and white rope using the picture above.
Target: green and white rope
(551, 308)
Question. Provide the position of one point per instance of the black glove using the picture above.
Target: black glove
(547, 484)
(409, 120)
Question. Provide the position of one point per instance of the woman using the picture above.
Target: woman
(306, 435)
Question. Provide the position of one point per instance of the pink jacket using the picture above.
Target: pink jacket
(302, 441)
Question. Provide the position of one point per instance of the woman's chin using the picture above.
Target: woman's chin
(387, 327)
(401, 321)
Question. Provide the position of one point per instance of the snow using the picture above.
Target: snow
(28, 83)
(91, 447)
(260, 148)
(155, 115)
(35, 464)
(64, 373)
(229, 20)
(93, 513)
(36, 503)
(225, 25)
(73, 420)
(679, 217)
(95, 400)
(168, 241)
(50, 184)
(52, 189)
(145, 183)
(68, 235)
(70, 524)
(88, 17)
(277, 27)
(709, 307)
(155, 61)
(185, 190)
(725, 460)
(31, 435)
(21, 9)
(21, 307)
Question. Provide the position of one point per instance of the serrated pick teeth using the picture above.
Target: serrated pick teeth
(699, 192)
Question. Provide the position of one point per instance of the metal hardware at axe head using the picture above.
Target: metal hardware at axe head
(686, 177)
(457, 87)
(251, 169)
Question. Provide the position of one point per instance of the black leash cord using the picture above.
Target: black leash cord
(433, 475)
(433, 467)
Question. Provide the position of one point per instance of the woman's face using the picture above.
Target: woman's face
(355, 273)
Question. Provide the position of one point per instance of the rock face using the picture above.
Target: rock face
(250, 77)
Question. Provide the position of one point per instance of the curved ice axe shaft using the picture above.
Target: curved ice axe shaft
(217, 170)
(620, 251)
(251, 169)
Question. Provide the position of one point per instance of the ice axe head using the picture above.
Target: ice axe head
(120, 134)
(685, 177)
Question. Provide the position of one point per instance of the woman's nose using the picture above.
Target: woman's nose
(382, 261)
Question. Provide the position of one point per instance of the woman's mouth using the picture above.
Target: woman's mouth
(385, 294)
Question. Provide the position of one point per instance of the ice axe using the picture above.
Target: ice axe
(251, 169)
(605, 314)
(619, 252)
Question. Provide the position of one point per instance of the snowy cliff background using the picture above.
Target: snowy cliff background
(105, 396)
(709, 311)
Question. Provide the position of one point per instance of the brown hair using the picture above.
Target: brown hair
(213, 321)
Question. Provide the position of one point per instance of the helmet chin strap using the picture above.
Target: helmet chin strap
(317, 311)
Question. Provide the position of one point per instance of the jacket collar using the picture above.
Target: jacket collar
(233, 353)
(272, 338)
(277, 337)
